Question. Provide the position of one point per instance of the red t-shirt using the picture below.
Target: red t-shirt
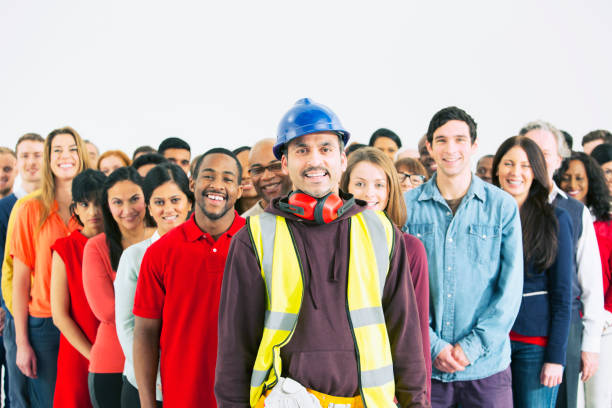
(180, 283)
(603, 230)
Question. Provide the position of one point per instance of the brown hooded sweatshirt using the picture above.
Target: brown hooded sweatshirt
(321, 353)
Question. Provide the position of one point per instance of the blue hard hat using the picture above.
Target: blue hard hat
(307, 117)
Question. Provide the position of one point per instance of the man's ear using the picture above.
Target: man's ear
(428, 146)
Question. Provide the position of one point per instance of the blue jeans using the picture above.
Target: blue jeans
(5, 380)
(528, 392)
(18, 390)
(44, 338)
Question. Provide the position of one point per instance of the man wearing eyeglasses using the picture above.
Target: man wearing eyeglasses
(267, 175)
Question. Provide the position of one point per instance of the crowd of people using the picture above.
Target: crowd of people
(308, 271)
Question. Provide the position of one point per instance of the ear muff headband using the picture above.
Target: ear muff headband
(321, 210)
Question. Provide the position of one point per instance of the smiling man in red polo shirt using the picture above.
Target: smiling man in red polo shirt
(177, 296)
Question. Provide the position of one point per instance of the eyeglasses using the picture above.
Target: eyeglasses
(259, 170)
(415, 179)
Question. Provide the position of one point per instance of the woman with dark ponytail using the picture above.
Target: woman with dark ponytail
(124, 212)
(540, 332)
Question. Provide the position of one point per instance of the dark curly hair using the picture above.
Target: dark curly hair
(598, 195)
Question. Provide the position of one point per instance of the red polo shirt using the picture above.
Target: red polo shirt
(180, 283)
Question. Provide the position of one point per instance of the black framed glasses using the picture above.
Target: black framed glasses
(259, 170)
(415, 179)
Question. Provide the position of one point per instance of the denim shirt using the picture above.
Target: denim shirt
(475, 273)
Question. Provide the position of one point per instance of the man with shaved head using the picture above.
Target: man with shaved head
(267, 175)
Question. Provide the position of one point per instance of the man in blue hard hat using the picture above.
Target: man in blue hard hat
(326, 288)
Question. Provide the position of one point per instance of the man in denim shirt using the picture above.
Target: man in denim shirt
(472, 233)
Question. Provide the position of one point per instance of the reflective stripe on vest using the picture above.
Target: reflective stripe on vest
(371, 245)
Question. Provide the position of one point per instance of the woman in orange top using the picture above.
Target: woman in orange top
(39, 223)
(124, 212)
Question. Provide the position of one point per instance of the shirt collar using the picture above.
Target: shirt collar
(430, 190)
(20, 192)
(555, 191)
(193, 232)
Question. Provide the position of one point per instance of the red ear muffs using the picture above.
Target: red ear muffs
(321, 210)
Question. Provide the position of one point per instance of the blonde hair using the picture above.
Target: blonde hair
(118, 153)
(396, 208)
(46, 194)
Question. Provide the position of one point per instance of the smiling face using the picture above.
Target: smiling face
(110, 164)
(267, 174)
(387, 145)
(451, 148)
(575, 181)
(29, 160)
(168, 206)
(248, 190)
(315, 163)
(515, 174)
(64, 161)
(90, 215)
(368, 182)
(8, 171)
(216, 187)
(126, 204)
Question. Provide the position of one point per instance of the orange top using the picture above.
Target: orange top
(32, 246)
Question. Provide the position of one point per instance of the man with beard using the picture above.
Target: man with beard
(177, 295)
(316, 303)
(8, 171)
(267, 175)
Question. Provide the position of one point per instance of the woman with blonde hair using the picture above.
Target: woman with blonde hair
(40, 221)
(370, 176)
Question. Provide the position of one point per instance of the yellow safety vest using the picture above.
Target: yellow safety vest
(371, 246)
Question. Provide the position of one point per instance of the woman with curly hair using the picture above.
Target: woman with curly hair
(582, 178)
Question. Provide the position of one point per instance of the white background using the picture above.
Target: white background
(126, 73)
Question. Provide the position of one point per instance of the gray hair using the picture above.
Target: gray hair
(562, 148)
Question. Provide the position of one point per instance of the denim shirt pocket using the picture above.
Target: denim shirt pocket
(424, 232)
(484, 244)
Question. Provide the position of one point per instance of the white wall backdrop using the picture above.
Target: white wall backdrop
(127, 73)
